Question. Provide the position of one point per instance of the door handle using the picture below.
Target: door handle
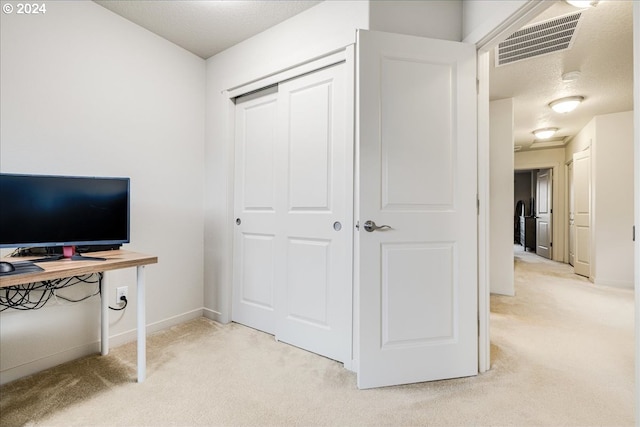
(371, 226)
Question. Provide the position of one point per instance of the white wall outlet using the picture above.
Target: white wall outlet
(122, 291)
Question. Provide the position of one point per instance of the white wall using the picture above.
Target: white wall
(481, 17)
(613, 200)
(581, 141)
(501, 197)
(416, 18)
(610, 137)
(85, 92)
(545, 159)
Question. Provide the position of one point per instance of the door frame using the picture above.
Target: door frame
(558, 203)
(484, 45)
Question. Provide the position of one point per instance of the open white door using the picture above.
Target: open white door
(582, 216)
(572, 210)
(418, 310)
(544, 211)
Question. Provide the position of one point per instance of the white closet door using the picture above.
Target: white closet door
(418, 309)
(314, 281)
(255, 238)
(293, 239)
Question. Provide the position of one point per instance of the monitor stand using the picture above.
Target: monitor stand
(69, 252)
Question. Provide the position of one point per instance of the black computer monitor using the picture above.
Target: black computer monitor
(63, 211)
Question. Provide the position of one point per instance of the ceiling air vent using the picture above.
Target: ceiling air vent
(538, 39)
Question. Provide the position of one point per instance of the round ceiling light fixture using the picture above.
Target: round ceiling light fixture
(566, 105)
(582, 4)
(571, 76)
(544, 133)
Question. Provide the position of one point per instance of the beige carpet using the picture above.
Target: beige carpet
(562, 353)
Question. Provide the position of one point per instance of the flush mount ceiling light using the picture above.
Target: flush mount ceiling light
(544, 133)
(566, 105)
(582, 3)
(571, 76)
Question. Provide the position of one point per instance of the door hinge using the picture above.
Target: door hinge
(478, 205)
(634, 233)
(478, 86)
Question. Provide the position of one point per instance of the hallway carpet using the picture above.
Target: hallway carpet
(562, 354)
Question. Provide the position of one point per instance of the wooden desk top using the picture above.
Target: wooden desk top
(68, 268)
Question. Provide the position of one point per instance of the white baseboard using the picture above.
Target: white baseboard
(130, 335)
(49, 361)
(613, 283)
(213, 315)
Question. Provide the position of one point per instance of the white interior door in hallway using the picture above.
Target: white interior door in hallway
(582, 212)
(418, 279)
(294, 212)
(544, 212)
(572, 209)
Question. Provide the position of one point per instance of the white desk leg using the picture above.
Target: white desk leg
(142, 327)
(104, 316)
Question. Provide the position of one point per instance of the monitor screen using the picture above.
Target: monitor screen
(44, 210)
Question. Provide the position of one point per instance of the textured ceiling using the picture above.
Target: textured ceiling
(206, 27)
(602, 52)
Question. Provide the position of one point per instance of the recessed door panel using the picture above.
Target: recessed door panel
(309, 140)
(583, 252)
(417, 154)
(258, 270)
(254, 306)
(308, 285)
(418, 303)
(258, 150)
